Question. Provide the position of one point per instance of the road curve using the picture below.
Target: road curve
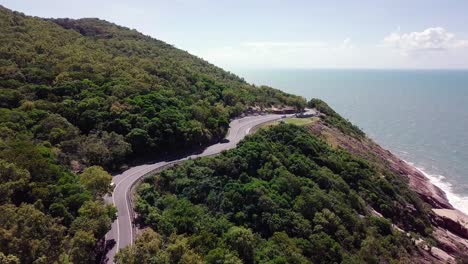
(122, 231)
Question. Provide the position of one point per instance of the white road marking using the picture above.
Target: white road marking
(113, 200)
(248, 122)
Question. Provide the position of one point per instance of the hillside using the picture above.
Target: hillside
(79, 93)
(282, 196)
(115, 90)
(322, 193)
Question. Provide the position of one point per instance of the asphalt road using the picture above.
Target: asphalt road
(122, 231)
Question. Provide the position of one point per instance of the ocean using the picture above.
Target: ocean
(419, 115)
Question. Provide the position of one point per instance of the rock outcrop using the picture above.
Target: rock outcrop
(452, 220)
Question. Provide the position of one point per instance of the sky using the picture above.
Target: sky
(302, 34)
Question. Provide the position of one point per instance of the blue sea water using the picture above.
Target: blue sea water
(419, 115)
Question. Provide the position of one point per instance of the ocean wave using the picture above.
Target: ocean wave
(458, 201)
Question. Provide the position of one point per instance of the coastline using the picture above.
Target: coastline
(458, 201)
(368, 149)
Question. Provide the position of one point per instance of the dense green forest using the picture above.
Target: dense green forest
(90, 87)
(77, 96)
(282, 196)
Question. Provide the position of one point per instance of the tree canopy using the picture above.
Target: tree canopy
(282, 196)
(102, 93)
(96, 180)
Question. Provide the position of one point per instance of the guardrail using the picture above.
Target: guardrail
(131, 195)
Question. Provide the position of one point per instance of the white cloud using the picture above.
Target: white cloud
(430, 39)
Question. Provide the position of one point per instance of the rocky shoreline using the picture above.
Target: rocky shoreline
(450, 226)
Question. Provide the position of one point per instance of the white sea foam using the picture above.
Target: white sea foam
(458, 201)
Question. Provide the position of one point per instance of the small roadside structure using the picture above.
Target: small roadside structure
(284, 110)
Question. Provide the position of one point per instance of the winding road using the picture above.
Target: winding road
(123, 230)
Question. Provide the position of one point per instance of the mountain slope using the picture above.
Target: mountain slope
(114, 84)
(78, 93)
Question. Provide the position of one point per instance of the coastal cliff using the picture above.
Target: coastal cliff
(450, 226)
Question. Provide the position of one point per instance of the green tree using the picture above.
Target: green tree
(55, 129)
(242, 241)
(82, 247)
(96, 180)
(94, 217)
(105, 149)
(140, 140)
(147, 246)
(222, 256)
(29, 234)
(12, 181)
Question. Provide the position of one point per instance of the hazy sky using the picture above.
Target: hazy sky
(290, 34)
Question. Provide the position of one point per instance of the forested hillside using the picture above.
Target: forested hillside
(100, 92)
(282, 196)
(79, 93)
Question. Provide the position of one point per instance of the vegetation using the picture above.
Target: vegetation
(88, 96)
(334, 119)
(101, 93)
(79, 97)
(290, 120)
(96, 180)
(282, 196)
(300, 121)
(46, 214)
